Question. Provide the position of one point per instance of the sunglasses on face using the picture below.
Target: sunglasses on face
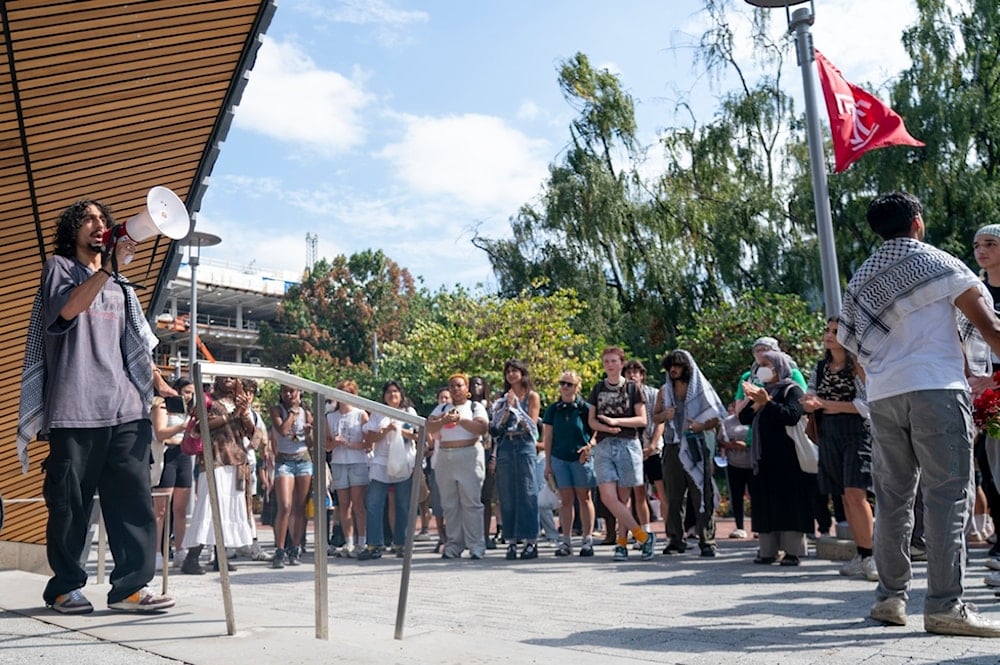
(567, 384)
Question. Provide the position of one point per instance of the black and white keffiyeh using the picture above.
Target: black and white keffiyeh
(137, 344)
(701, 404)
(902, 276)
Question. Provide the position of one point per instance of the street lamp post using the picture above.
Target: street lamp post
(799, 22)
(196, 240)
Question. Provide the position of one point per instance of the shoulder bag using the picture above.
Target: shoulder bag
(805, 449)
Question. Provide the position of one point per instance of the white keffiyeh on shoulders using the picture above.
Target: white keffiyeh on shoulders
(902, 276)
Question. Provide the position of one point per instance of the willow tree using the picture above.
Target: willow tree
(949, 97)
(598, 228)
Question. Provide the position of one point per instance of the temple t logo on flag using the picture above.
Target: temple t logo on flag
(859, 122)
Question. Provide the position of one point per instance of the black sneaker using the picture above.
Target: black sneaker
(191, 566)
(530, 551)
(708, 551)
(674, 548)
(279, 559)
(369, 553)
(293, 556)
(648, 546)
(586, 550)
(564, 549)
(511, 552)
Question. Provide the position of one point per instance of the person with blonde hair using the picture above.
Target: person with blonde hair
(568, 443)
(618, 415)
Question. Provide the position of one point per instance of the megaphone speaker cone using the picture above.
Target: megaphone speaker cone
(165, 214)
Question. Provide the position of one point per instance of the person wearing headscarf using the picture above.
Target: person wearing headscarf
(782, 492)
(688, 406)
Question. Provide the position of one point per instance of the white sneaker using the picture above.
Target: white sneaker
(891, 611)
(143, 601)
(738, 533)
(159, 562)
(179, 556)
(963, 619)
(868, 569)
(993, 579)
(863, 568)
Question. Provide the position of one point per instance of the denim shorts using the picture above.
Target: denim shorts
(293, 467)
(618, 460)
(349, 475)
(573, 474)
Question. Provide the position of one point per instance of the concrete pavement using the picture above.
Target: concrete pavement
(673, 609)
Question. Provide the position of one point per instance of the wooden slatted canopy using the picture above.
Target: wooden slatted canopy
(103, 99)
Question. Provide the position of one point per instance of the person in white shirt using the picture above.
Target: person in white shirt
(899, 317)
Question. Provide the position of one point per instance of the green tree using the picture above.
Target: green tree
(477, 335)
(950, 99)
(339, 309)
(591, 232)
(720, 338)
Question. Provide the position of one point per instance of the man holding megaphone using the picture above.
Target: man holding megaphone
(87, 384)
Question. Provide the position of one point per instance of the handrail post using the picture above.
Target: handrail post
(411, 525)
(213, 495)
(320, 519)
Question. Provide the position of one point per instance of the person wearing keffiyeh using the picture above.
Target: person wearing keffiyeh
(87, 385)
(688, 406)
(899, 316)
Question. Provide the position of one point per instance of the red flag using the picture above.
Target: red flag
(858, 120)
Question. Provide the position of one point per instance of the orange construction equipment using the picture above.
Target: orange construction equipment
(204, 349)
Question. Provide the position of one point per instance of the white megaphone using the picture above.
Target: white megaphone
(165, 214)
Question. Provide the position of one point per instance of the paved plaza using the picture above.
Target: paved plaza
(673, 609)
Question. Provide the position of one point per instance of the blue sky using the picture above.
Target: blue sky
(403, 125)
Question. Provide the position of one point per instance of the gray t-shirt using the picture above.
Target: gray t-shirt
(86, 384)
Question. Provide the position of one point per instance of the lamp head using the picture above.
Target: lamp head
(773, 4)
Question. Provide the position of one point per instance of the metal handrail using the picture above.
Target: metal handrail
(320, 392)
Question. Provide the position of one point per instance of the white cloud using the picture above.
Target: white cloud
(611, 67)
(528, 110)
(291, 99)
(477, 159)
(362, 12)
(389, 23)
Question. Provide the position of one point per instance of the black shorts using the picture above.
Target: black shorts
(845, 453)
(652, 468)
(177, 469)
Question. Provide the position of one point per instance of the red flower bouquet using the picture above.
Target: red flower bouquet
(986, 410)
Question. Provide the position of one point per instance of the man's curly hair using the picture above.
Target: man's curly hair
(70, 222)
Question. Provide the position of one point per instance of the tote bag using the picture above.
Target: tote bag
(806, 450)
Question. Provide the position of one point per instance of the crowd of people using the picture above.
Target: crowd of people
(889, 403)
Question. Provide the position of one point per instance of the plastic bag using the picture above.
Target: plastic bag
(548, 498)
(398, 467)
